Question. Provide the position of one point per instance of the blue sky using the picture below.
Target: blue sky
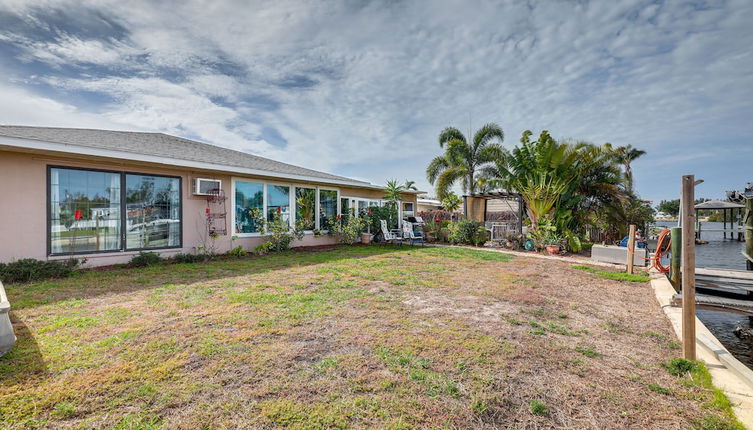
(363, 88)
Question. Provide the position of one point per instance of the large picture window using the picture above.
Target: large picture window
(327, 209)
(305, 206)
(152, 212)
(248, 196)
(85, 213)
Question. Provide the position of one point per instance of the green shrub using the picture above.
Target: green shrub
(680, 366)
(349, 230)
(144, 259)
(467, 232)
(30, 269)
(374, 214)
(238, 252)
(264, 248)
(189, 258)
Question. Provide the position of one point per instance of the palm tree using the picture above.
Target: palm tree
(393, 191)
(626, 155)
(410, 186)
(462, 160)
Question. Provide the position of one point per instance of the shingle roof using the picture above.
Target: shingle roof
(162, 145)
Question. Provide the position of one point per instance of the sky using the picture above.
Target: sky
(362, 89)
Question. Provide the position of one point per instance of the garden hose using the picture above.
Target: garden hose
(662, 249)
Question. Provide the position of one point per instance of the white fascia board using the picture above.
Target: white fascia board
(132, 156)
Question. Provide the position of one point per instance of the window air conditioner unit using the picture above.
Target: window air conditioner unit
(205, 187)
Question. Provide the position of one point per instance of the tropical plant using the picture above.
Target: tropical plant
(574, 183)
(541, 171)
(393, 192)
(467, 232)
(626, 155)
(349, 230)
(451, 202)
(410, 185)
(280, 234)
(462, 159)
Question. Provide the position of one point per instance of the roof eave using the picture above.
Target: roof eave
(34, 144)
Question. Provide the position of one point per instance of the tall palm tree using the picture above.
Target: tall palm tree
(626, 155)
(462, 160)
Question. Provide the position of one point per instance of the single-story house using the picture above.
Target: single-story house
(106, 195)
(427, 205)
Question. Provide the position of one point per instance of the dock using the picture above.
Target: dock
(725, 290)
(715, 303)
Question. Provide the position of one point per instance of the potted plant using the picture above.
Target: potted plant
(366, 235)
(552, 242)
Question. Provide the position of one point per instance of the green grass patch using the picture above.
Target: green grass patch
(588, 351)
(538, 407)
(617, 276)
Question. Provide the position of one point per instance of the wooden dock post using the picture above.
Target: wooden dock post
(749, 232)
(674, 258)
(688, 267)
(631, 248)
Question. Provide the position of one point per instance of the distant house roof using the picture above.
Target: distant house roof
(718, 204)
(161, 148)
(429, 202)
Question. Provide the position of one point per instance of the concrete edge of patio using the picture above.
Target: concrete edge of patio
(727, 373)
(7, 337)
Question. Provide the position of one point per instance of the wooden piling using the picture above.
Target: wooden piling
(631, 248)
(749, 232)
(688, 267)
(674, 257)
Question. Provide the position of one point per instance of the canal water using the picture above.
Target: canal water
(723, 253)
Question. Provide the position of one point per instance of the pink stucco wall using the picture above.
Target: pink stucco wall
(23, 207)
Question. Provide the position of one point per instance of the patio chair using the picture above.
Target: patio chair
(390, 236)
(420, 220)
(409, 234)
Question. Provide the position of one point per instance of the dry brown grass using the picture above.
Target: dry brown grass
(359, 337)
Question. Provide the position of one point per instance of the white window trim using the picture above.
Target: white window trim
(292, 202)
(318, 206)
(233, 180)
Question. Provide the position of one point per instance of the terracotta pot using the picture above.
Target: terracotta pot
(553, 249)
(365, 238)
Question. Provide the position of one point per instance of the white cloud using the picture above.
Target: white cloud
(371, 85)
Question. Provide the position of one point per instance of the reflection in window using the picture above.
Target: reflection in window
(363, 206)
(248, 196)
(305, 203)
(327, 209)
(84, 211)
(152, 211)
(345, 207)
(278, 201)
(408, 210)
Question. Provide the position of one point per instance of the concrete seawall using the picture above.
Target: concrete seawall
(727, 373)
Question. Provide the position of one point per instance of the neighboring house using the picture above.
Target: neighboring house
(105, 195)
(426, 205)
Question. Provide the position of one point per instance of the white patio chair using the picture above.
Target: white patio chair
(409, 234)
(390, 236)
(420, 220)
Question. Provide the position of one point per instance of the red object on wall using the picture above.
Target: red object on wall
(207, 210)
(78, 214)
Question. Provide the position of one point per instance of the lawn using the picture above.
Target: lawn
(351, 337)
